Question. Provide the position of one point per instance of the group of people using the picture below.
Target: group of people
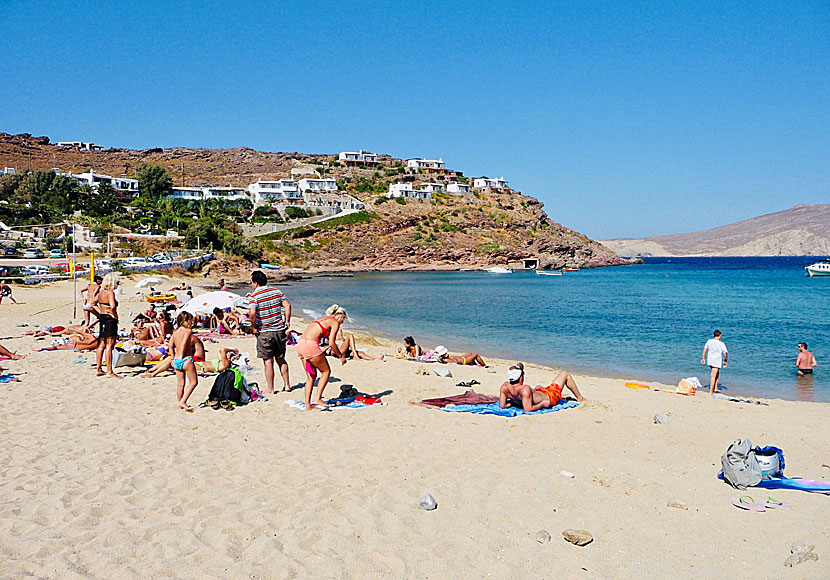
(716, 356)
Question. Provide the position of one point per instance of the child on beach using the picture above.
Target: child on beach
(181, 349)
(6, 292)
(715, 355)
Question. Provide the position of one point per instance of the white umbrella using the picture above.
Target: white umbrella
(148, 281)
(205, 303)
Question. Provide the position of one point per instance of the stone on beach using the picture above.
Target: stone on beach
(676, 503)
(427, 503)
(578, 537)
(661, 419)
(543, 536)
(564, 473)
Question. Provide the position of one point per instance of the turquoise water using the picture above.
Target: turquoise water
(646, 322)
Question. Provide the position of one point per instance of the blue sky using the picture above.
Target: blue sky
(625, 119)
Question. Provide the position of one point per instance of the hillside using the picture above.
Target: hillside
(448, 232)
(803, 230)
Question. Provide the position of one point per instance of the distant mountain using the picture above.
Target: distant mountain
(803, 230)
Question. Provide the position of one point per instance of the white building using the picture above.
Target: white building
(187, 193)
(274, 191)
(458, 188)
(318, 185)
(358, 158)
(8, 171)
(433, 187)
(120, 184)
(485, 183)
(80, 145)
(428, 165)
(226, 193)
(405, 190)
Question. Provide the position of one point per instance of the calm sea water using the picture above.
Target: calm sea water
(646, 322)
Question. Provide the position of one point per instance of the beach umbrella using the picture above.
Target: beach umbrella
(148, 281)
(205, 303)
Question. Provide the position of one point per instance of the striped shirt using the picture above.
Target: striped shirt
(269, 309)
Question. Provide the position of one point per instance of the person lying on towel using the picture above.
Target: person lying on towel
(515, 392)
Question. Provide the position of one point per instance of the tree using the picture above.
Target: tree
(103, 202)
(154, 182)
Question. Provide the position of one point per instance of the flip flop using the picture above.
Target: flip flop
(773, 503)
(748, 505)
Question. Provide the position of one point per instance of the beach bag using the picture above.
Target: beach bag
(771, 461)
(740, 466)
(132, 357)
(688, 386)
(224, 388)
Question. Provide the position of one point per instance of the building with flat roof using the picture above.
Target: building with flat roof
(121, 184)
(353, 158)
(321, 184)
(406, 191)
(276, 190)
(426, 165)
(487, 183)
(457, 188)
(80, 145)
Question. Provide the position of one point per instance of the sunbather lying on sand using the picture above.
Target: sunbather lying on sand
(349, 349)
(79, 341)
(468, 358)
(515, 392)
(410, 349)
(12, 355)
(215, 365)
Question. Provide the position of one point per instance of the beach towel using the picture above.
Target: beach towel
(795, 483)
(334, 404)
(468, 398)
(7, 378)
(494, 409)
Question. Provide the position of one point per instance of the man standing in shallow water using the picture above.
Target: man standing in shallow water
(270, 313)
(805, 361)
(715, 355)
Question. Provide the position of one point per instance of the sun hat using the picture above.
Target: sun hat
(514, 375)
(440, 350)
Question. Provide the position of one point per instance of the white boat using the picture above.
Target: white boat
(499, 270)
(548, 272)
(818, 269)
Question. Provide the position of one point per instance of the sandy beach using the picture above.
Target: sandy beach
(105, 478)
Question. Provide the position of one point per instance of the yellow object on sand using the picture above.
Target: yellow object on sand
(161, 298)
(636, 386)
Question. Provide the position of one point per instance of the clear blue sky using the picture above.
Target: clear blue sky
(624, 118)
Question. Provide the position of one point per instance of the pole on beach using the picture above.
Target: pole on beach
(74, 277)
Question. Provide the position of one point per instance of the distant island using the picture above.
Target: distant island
(803, 230)
(335, 211)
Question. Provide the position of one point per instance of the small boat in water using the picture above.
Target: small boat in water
(818, 269)
(548, 272)
(499, 270)
(570, 269)
(269, 266)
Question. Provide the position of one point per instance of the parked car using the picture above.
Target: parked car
(103, 263)
(161, 257)
(56, 253)
(10, 252)
(32, 253)
(33, 269)
(64, 266)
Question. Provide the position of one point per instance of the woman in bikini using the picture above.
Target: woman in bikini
(469, 358)
(107, 307)
(309, 351)
(411, 349)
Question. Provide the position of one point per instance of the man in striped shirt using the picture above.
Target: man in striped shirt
(271, 314)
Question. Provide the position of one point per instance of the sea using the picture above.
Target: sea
(643, 323)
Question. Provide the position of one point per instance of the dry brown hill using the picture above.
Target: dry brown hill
(803, 230)
(451, 232)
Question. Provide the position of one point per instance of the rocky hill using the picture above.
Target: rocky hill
(803, 230)
(448, 232)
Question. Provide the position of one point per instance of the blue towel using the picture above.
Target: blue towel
(795, 483)
(7, 378)
(494, 409)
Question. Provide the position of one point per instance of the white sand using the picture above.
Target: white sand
(101, 478)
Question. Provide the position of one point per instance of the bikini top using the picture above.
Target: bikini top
(326, 331)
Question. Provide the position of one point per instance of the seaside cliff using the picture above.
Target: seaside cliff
(485, 227)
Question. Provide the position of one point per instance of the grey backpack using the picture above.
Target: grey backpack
(740, 467)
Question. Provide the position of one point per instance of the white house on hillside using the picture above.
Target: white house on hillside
(428, 165)
(274, 190)
(358, 158)
(187, 193)
(405, 190)
(484, 183)
(432, 187)
(81, 145)
(120, 184)
(226, 193)
(327, 184)
(457, 187)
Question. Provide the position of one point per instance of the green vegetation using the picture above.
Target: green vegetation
(400, 200)
(294, 213)
(346, 220)
(154, 183)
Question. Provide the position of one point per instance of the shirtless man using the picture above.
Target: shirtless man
(516, 392)
(181, 349)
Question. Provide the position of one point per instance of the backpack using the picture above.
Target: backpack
(740, 466)
(224, 388)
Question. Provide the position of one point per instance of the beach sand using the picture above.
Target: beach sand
(104, 478)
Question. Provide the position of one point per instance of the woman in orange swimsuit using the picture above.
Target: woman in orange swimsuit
(309, 351)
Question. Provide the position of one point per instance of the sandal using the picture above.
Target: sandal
(227, 405)
(748, 505)
(772, 503)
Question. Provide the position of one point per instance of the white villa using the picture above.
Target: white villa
(187, 193)
(275, 190)
(206, 193)
(486, 183)
(120, 184)
(428, 165)
(358, 158)
(458, 188)
(80, 145)
(433, 187)
(326, 185)
(405, 190)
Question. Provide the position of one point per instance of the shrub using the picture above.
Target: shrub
(400, 200)
(292, 212)
(381, 199)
